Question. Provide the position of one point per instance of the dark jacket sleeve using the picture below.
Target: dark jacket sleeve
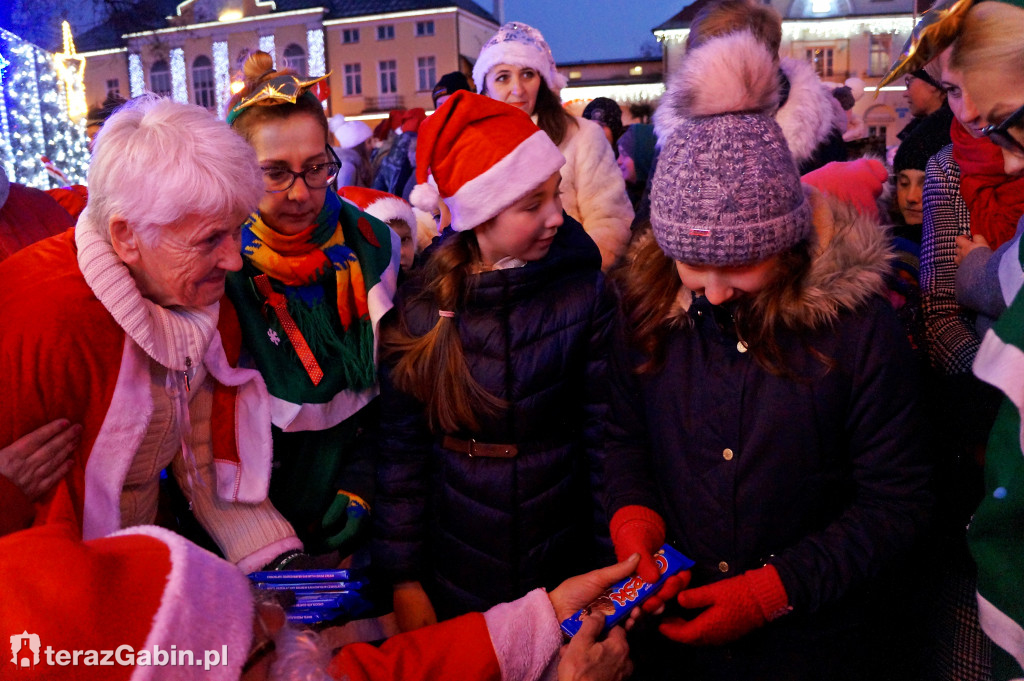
(890, 499)
(402, 479)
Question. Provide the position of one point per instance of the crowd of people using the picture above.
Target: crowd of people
(497, 356)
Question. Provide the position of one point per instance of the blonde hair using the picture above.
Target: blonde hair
(730, 16)
(990, 39)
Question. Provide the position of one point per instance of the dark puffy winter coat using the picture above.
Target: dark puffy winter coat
(479, 531)
(819, 472)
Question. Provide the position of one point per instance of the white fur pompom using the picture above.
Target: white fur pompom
(731, 74)
(425, 197)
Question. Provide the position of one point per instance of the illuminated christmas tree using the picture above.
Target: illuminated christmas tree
(34, 112)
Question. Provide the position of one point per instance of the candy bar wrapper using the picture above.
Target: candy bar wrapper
(309, 586)
(272, 577)
(619, 599)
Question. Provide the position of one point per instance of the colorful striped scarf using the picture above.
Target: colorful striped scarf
(300, 262)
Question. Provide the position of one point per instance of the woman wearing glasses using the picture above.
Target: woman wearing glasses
(317, 276)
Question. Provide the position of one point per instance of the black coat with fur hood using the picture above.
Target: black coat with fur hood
(822, 474)
(479, 531)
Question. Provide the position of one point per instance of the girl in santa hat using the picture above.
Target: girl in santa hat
(492, 367)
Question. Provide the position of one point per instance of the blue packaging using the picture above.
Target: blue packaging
(618, 600)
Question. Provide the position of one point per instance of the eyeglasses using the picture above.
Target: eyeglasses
(279, 179)
(1000, 134)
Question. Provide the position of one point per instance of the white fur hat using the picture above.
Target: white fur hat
(517, 44)
(348, 133)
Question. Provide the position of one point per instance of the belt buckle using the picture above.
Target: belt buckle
(470, 451)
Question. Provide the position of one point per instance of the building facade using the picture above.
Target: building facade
(382, 54)
(844, 39)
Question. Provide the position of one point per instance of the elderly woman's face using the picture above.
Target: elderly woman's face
(295, 143)
(190, 262)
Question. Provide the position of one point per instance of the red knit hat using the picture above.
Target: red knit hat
(484, 155)
(143, 591)
(381, 205)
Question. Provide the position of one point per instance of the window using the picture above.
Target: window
(353, 79)
(575, 75)
(637, 70)
(424, 28)
(876, 131)
(202, 83)
(388, 76)
(386, 32)
(879, 59)
(113, 87)
(160, 79)
(821, 59)
(350, 35)
(426, 73)
(295, 59)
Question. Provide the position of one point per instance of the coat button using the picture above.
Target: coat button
(742, 346)
(723, 567)
(727, 454)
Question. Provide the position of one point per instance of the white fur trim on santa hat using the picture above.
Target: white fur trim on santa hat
(425, 196)
(524, 168)
(535, 54)
(392, 208)
(206, 605)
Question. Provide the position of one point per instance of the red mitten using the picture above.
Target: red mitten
(735, 607)
(857, 182)
(638, 529)
(669, 590)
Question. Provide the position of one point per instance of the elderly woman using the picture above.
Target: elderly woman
(114, 326)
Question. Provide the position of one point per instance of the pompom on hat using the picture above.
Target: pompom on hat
(381, 205)
(349, 134)
(484, 155)
(520, 45)
(726, 190)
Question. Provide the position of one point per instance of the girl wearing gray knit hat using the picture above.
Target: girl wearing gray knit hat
(766, 401)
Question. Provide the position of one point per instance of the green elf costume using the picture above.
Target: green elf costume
(308, 306)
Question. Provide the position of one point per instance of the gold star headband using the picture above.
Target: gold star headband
(277, 90)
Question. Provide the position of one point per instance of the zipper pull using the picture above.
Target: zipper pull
(187, 372)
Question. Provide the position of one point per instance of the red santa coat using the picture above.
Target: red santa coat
(63, 355)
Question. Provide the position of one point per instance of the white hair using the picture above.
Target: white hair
(156, 161)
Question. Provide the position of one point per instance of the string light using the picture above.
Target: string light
(70, 68)
(267, 45)
(179, 90)
(221, 74)
(819, 29)
(315, 42)
(135, 75)
(34, 116)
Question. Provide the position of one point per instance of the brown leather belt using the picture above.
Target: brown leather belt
(472, 448)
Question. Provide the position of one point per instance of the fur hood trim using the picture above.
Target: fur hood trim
(808, 117)
(851, 254)
(731, 74)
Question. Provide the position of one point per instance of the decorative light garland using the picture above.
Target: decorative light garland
(634, 92)
(70, 69)
(179, 88)
(221, 74)
(317, 65)
(267, 45)
(135, 74)
(819, 29)
(34, 116)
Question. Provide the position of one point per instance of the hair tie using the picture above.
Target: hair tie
(446, 313)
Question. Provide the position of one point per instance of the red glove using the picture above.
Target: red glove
(859, 182)
(638, 529)
(672, 586)
(737, 606)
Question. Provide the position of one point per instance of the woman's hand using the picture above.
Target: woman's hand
(966, 244)
(576, 592)
(36, 461)
(413, 608)
(585, 658)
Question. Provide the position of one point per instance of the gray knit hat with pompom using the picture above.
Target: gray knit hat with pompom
(726, 191)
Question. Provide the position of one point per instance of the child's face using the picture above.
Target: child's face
(404, 232)
(724, 284)
(526, 229)
(909, 193)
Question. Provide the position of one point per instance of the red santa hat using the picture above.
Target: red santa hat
(143, 588)
(381, 205)
(483, 154)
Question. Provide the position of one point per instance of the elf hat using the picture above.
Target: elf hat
(381, 205)
(142, 590)
(484, 155)
(520, 45)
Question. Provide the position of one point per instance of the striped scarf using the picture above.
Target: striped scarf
(300, 262)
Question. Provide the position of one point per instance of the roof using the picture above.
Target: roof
(683, 18)
(108, 35)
